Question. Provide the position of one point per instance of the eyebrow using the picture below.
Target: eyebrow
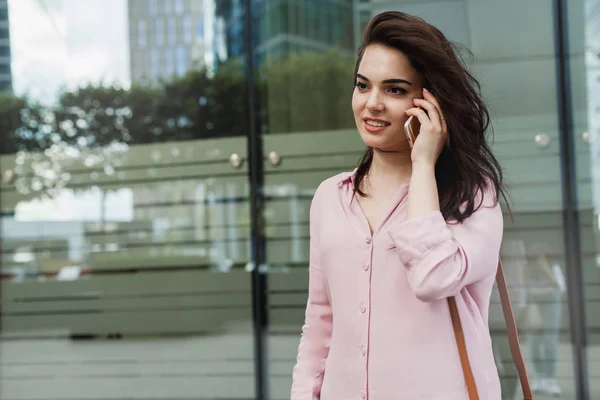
(393, 80)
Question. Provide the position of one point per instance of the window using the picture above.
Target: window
(179, 7)
(153, 7)
(138, 61)
(200, 29)
(187, 29)
(172, 27)
(169, 62)
(142, 34)
(168, 6)
(181, 60)
(160, 32)
(154, 63)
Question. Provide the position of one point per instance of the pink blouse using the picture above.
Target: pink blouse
(377, 320)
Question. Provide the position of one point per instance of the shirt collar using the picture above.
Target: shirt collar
(347, 177)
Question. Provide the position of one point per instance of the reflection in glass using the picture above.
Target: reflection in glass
(125, 231)
(142, 34)
(545, 289)
(584, 70)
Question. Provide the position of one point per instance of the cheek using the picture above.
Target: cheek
(398, 109)
(357, 104)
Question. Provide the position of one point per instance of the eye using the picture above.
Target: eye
(397, 90)
(361, 86)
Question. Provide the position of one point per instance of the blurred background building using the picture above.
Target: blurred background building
(128, 244)
(166, 39)
(5, 72)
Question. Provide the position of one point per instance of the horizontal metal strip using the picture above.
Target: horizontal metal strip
(135, 323)
(168, 152)
(124, 168)
(145, 283)
(125, 375)
(132, 397)
(125, 182)
(129, 362)
(178, 303)
(216, 293)
(124, 310)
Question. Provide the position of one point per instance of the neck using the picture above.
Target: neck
(391, 167)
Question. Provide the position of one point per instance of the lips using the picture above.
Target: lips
(375, 125)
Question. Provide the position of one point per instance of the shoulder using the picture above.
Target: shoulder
(487, 207)
(328, 190)
(488, 197)
(332, 184)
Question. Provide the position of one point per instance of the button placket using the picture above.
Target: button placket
(363, 307)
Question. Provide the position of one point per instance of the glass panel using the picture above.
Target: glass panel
(518, 76)
(305, 61)
(125, 221)
(309, 128)
(584, 64)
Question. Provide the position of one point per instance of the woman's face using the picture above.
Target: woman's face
(386, 84)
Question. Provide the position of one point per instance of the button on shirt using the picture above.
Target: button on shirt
(377, 322)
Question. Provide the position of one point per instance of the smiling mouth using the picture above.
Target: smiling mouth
(377, 124)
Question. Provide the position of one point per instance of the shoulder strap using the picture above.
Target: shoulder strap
(462, 350)
(513, 334)
(513, 338)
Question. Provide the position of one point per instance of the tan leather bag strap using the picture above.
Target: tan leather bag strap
(462, 350)
(513, 339)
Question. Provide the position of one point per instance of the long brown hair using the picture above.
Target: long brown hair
(468, 167)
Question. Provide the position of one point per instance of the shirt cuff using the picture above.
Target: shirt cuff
(415, 237)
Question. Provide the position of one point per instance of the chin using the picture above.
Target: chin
(378, 141)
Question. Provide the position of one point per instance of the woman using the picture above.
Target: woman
(390, 241)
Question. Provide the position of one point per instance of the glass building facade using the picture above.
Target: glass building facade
(156, 177)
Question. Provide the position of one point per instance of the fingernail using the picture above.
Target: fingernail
(425, 90)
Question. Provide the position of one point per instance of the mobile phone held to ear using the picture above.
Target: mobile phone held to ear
(411, 129)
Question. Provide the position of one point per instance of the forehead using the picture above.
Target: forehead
(381, 62)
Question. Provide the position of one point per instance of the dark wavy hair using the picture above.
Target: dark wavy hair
(467, 167)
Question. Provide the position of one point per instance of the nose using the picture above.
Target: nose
(375, 101)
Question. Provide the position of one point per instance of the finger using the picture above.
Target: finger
(427, 95)
(420, 114)
(432, 111)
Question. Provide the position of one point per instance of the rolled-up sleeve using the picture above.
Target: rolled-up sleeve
(441, 258)
(316, 332)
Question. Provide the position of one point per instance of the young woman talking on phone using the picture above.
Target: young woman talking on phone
(408, 228)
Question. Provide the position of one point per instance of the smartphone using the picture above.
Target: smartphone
(411, 129)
